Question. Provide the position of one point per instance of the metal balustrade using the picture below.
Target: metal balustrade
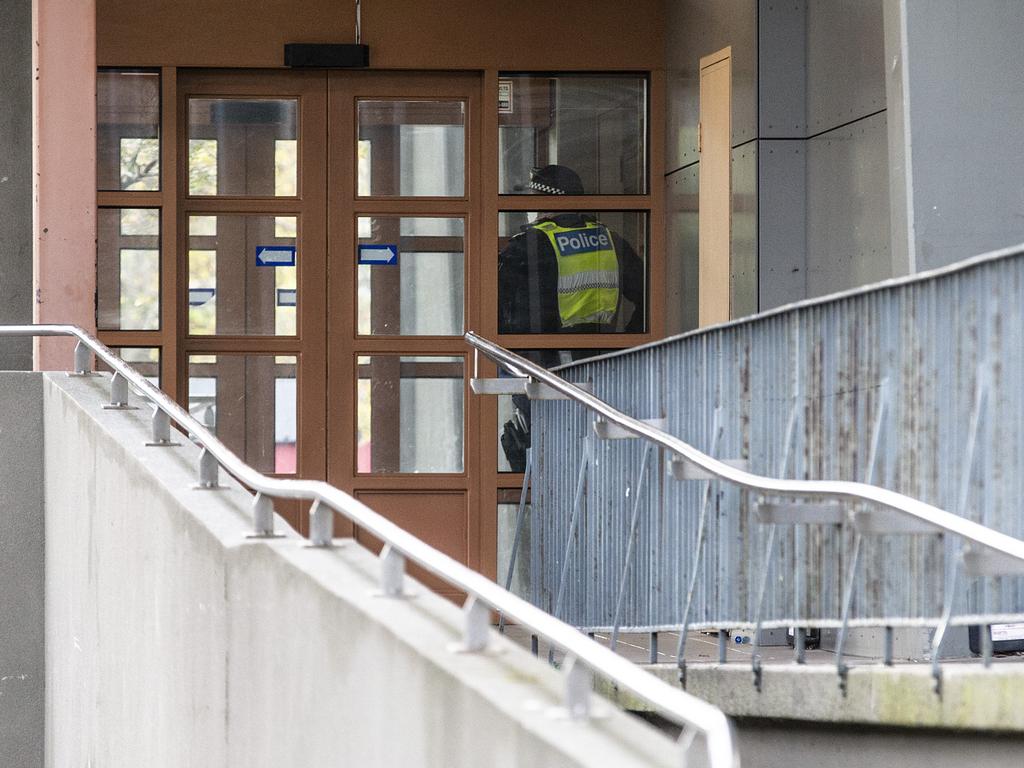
(584, 658)
(909, 388)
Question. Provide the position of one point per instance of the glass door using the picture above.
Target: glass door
(402, 228)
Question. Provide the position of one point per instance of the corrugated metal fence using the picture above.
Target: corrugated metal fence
(930, 370)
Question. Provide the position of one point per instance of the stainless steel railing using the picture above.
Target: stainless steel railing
(583, 656)
(866, 508)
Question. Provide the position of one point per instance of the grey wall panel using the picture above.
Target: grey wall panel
(848, 207)
(697, 28)
(22, 633)
(681, 192)
(16, 178)
(743, 275)
(845, 62)
(966, 108)
(782, 234)
(782, 69)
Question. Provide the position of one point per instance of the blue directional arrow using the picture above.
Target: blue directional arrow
(275, 255)
(378, 254)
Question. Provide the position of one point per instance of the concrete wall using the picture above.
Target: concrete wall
(21, 570)
(962, 104)
(16, 178)
(173, 640)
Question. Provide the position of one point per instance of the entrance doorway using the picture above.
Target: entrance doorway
(327, 224)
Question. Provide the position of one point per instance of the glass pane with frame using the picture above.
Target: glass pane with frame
(410, 276)
(128, 269)
(508, 517)
(127, 130)
(593, 126)
(242, 275)
(243, 147)
(411, 148)
(409, 414)
(249, 401)
(572, 272)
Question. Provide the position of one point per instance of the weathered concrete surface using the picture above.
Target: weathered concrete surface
(16, 179)
(173, 640)
(21, 570)
(973, 698)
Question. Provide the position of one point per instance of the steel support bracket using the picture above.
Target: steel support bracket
(538, 390)
(505, 385)
(605, 430)
(683, 469)
(980, 560)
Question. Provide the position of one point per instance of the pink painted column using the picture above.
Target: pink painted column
(64, 171)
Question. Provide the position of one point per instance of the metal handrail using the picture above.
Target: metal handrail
(691, 713)
(804, 489)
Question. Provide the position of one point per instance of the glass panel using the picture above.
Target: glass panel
(146, 360)
(127, 130)
(411, 148)
(410, 275)
(243, 147)
(514, 410)
(572, 272)
(508, 514)
(249, 401)
(242, 275)
(594, 127)
(409, 414)
(128, 269)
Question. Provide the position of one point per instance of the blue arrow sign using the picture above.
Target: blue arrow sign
(199, 296)
(275, 255)
(286, 297)
(378, 254)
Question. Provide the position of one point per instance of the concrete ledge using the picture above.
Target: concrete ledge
(173, 640)
(974, 698)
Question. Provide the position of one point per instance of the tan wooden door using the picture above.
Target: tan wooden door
(715, 212)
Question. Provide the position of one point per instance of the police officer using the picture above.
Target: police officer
(563, 273)
(567, 272)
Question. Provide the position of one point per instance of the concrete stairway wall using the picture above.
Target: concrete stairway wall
(173, 640)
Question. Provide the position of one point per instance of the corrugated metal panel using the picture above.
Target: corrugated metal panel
(911, 361)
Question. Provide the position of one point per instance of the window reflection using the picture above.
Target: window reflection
(127, 130)
(594, 124)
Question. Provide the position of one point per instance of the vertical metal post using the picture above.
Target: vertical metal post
(723, 646)
(209, 471)
(630, 545)
(321, 525)
(579, 683)
(940, 631)
(887, 649)
(652, 657)
(520, 522)
(160, 426)
(392, 572)
(82, 359)
(535, 645)
(800, 645)
(986, 644)
(476, 626)
(577, 502)
(263, 516)
(118, 391)
(841, 668)
(762, 584)
(702, 530)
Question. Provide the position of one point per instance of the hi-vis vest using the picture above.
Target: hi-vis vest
(588, 272)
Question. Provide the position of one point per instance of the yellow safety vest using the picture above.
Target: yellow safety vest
(588, 272)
